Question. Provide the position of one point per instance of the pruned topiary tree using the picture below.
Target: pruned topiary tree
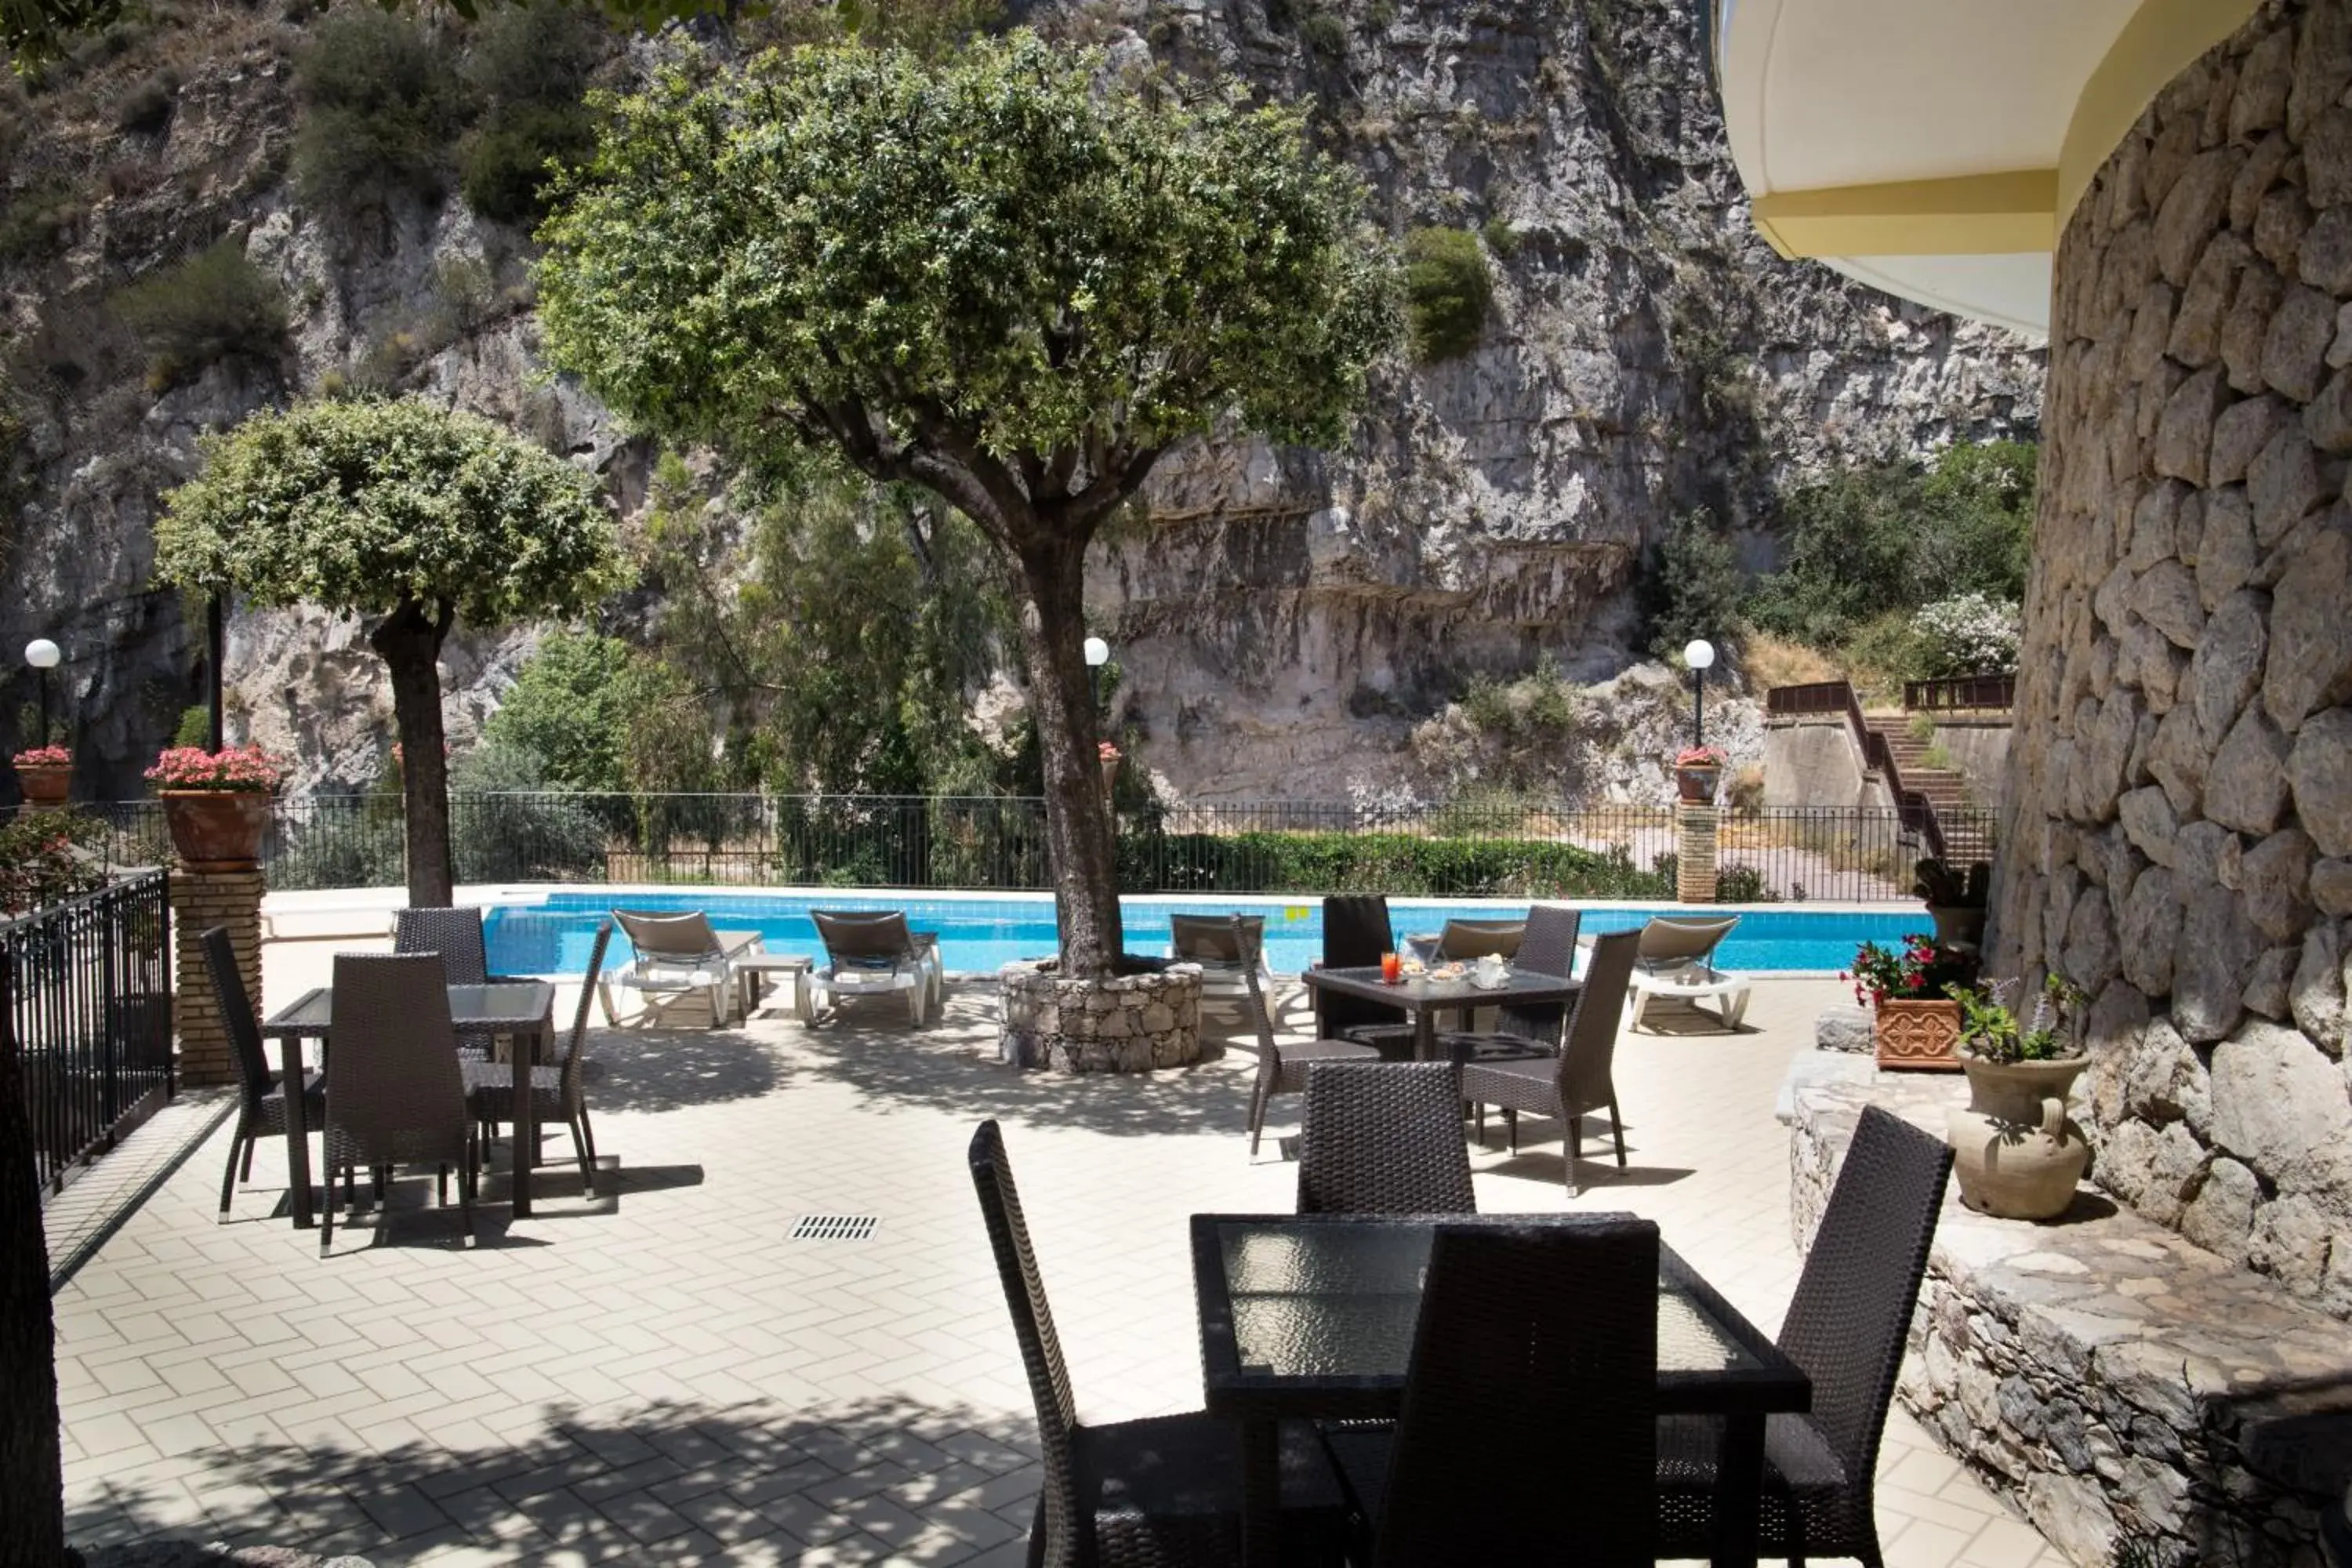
(1006, 277)
(414, 516)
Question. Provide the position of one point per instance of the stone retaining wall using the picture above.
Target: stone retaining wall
(1133, 1024)
(2102, 1373)
(2181, 790)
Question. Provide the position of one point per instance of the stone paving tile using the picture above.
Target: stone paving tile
(660, 1375)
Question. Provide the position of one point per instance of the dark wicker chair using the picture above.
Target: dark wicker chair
(1579, 1080)
(261, 1107)
(1282, 1069)
(1529, 1427)
(457, 935)
(1383, 1138)
(395, 1092)
(1845, 1328)
(1163, 1491)
(555, 1091)
(1356, 932)
(1528, 1030)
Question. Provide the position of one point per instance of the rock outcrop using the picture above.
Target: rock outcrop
(1286, 619)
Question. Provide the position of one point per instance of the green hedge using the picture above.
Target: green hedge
(1394, 863)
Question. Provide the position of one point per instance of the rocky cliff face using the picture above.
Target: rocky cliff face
(1285, 619)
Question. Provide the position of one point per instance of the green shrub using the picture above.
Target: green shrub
(1502, 237)
(194, 728)
(1325, 33)
(1447, 291)
(46, 855)
(148, 108)
(1693, 587)
(569, 710)
(40, 219)
(382, 107)
(504, 169)
(218, 305)
(1395, 863)
(507, 827)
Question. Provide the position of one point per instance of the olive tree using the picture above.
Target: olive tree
(1005, 276)
(412, 516)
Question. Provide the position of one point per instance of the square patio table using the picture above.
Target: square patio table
(523, 1008)
(1311, 1317)
(1425, 998)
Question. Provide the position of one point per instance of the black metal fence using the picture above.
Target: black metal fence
(1503, 850)
(89, 990)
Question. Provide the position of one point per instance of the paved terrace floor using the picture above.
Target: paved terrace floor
(660, 1375)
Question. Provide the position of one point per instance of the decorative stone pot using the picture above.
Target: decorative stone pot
(1918, 1032)
(2016, 1151)
(1695, 782)
(1131, 1023)
(1959, 925)
(45, 784)
(216, 826)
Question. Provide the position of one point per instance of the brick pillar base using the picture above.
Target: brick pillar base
(1694, 854)
(204, 895)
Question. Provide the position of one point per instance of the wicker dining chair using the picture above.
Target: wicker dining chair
(1356, 932)
(1846, 1330)
(1282, 1069)
(1529, 1432)
(395, 1092)
(1580, 1079)
(261, 1102)
(457, 935)
(1383, 1138)
(1160, 1492)
(1526, 1029)
(556, 1089)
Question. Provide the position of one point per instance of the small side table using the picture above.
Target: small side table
(752, 969)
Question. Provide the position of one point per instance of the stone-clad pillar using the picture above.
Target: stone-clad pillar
(207, 894)
(2179, 840)
(1694, 837)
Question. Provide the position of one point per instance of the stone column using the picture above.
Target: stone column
(1694, 854)
(207, 893)
(2177, 833)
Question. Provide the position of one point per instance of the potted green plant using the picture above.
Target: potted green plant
(44, 773)
(217, 803)
(2015, 1151)
(1699, 770)
(1913, 1022)
(1956, 901)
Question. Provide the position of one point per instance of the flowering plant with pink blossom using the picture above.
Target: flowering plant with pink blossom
(245, 769)
(43, 757)
(1107, 751)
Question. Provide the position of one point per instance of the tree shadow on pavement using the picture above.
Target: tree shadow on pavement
(671, 1483)
(658, 1069)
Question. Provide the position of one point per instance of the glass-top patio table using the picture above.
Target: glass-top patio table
(1425, 998)
(1311, 1317)
(522, 1008)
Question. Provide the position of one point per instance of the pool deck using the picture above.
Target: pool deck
(660, 1375)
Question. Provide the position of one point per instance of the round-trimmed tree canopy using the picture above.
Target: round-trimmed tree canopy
(359, 506)
(1007, 269)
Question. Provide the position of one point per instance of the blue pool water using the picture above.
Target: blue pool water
(553, 937)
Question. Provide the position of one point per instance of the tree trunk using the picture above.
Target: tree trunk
(1078, 828)
(410, 642)
(32, 1481)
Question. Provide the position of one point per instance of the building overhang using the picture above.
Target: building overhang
(1936, 150)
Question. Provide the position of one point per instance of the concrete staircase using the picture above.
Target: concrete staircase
(1944, 788)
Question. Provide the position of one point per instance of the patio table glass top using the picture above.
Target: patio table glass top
(506, 1007)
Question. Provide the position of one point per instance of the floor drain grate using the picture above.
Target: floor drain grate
(836, 1226)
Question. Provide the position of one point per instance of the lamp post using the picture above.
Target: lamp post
(1097, 655)
(43, 655)
(1699, 654)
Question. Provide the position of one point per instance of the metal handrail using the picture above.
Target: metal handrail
(1837, 697)
(1960, 693)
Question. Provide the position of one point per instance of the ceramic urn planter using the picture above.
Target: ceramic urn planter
(2015, 1151)
(1696, 782)
(1918, 1032)
(216, 826)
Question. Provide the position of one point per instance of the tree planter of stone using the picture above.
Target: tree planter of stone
(2015, 1151)
(1130, 1023)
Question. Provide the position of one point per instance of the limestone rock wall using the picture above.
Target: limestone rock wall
(2180, 793)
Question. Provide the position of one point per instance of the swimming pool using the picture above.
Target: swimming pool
(552, 934)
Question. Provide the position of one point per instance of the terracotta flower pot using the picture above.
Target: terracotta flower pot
(45, 784)
(1696, 782)
(216, 826)
(2015, 1151)
(1918, 1032)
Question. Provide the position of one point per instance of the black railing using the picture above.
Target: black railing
(89, 989)
(1460, 850)
(1961, 694)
